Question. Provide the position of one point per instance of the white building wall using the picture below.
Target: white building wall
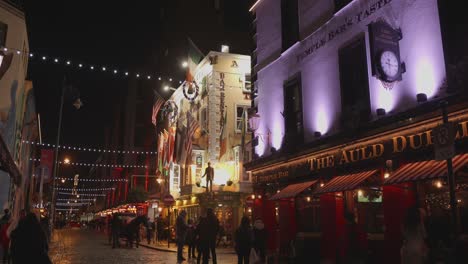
(420, 49)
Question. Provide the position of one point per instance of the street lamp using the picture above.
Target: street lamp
(184, 64)
(66, 161)
(167, 88)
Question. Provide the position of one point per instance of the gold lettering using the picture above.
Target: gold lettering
(351, 155)
(331, 161)
(344, 157)
(412, 141)
(399, 144)
(429, 137)
(322, 163)
(312, 167)
(378, 150)
(363, 154)
(464, 126)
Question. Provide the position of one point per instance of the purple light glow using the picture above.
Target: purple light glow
(385, 98)
(322, 121)
(425, 80)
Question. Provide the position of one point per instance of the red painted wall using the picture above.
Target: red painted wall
(332, 225)
(396, 200)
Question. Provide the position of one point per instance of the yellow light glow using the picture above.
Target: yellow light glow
(66, 161)
(322, 184)
(438, 184)
(249, 210)
(253, 196)
(259, 196)
(308, 198)
(359, 192)
(386, 175)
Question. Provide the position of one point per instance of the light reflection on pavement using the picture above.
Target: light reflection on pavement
(71, 246)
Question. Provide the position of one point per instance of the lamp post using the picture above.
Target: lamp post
(167, 88)
(77, 103)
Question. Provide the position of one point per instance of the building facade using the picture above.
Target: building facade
(346, 97)
(208, 123)
(14, 92)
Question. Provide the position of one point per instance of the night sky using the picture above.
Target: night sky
(146, 36)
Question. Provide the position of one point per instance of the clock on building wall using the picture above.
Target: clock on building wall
(385, 53)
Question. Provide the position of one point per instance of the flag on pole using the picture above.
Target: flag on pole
(223, 136)
(192, 126)
(244, 132)
(160, 151)
(172, 135)
(194, 57)
(158, 102)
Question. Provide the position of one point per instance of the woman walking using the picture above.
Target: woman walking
(243, 238)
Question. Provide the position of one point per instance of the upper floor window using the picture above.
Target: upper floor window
(355, 99)
(294, 127)
(289, 23)
(241, 115)
(3, 34)
(341, 3)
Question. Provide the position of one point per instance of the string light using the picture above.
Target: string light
(81, 65)
(94, 149)
(72, 204)
(85, 189)
(65, 209)
(94, 180)
(80, 200)
(100, 165)
(84, 194)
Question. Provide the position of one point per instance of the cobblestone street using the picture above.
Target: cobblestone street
(71, 246)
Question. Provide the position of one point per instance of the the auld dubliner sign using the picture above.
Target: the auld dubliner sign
(388, 148)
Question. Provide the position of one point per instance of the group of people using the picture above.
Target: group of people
(25, 235)
(200, 237)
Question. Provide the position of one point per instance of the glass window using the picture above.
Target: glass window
(240, 111)
(289, 23)
(370, 210)
(308, 214)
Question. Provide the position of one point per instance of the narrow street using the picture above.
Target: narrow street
(73, 246)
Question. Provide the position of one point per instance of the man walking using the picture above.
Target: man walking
(209, 173)
(116, 226)
(181, 232)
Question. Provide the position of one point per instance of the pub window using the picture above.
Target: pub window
(308, 214)
(294, 129)
(3, 34)
(355, 100)
(339, 4)
(289, 23)
(241, 110)
(370, 210)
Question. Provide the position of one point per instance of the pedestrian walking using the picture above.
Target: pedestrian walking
(149, 232)
(181, 233)
(414, 249)
(191, 239)
(260, 239)
(116, 227)
(201, 234)
(29, 237)
(355, 241)
(243, 241)
(213, 231)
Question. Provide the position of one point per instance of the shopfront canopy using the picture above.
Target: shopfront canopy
(292, 190)
(425, 170)
(346, 182)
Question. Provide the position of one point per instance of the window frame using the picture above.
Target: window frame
(246, 109)
(295, 80)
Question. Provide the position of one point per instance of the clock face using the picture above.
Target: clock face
(389, 64)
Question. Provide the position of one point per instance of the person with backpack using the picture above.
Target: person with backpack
(243, 241)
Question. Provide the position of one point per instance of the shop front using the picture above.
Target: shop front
(306, 201)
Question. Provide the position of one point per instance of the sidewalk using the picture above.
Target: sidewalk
(162, 246)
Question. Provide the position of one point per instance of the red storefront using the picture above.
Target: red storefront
(303, 199)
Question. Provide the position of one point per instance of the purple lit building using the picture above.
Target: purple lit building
(346, 94)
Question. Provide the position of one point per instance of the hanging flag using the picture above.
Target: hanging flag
(159, 101)
(244, 132)
(223, 136)
(192, 127)
(47, 161)
(166, 149)
(172, 135)
(194, 57)
(181, 138)
(160, 151)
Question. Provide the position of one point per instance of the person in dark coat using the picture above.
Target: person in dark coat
(259, 238)
(355, 241)
(213, 223)
(29, 242)
(116, 227)
(201, 235)
(181, 233)
(191, 239)
(243, 241)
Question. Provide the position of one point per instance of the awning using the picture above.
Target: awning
(292, 190)
(425, 170)
(345, 183)
(7, 164)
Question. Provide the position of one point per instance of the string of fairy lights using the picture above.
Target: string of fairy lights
(83, 194)
(78, 200)
(79, 65)
(101, 165)
(93, 180)
(85, 189)
(88, 149)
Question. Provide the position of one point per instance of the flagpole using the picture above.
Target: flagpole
(57, 142)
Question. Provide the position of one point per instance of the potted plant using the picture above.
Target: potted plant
(229, 183)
